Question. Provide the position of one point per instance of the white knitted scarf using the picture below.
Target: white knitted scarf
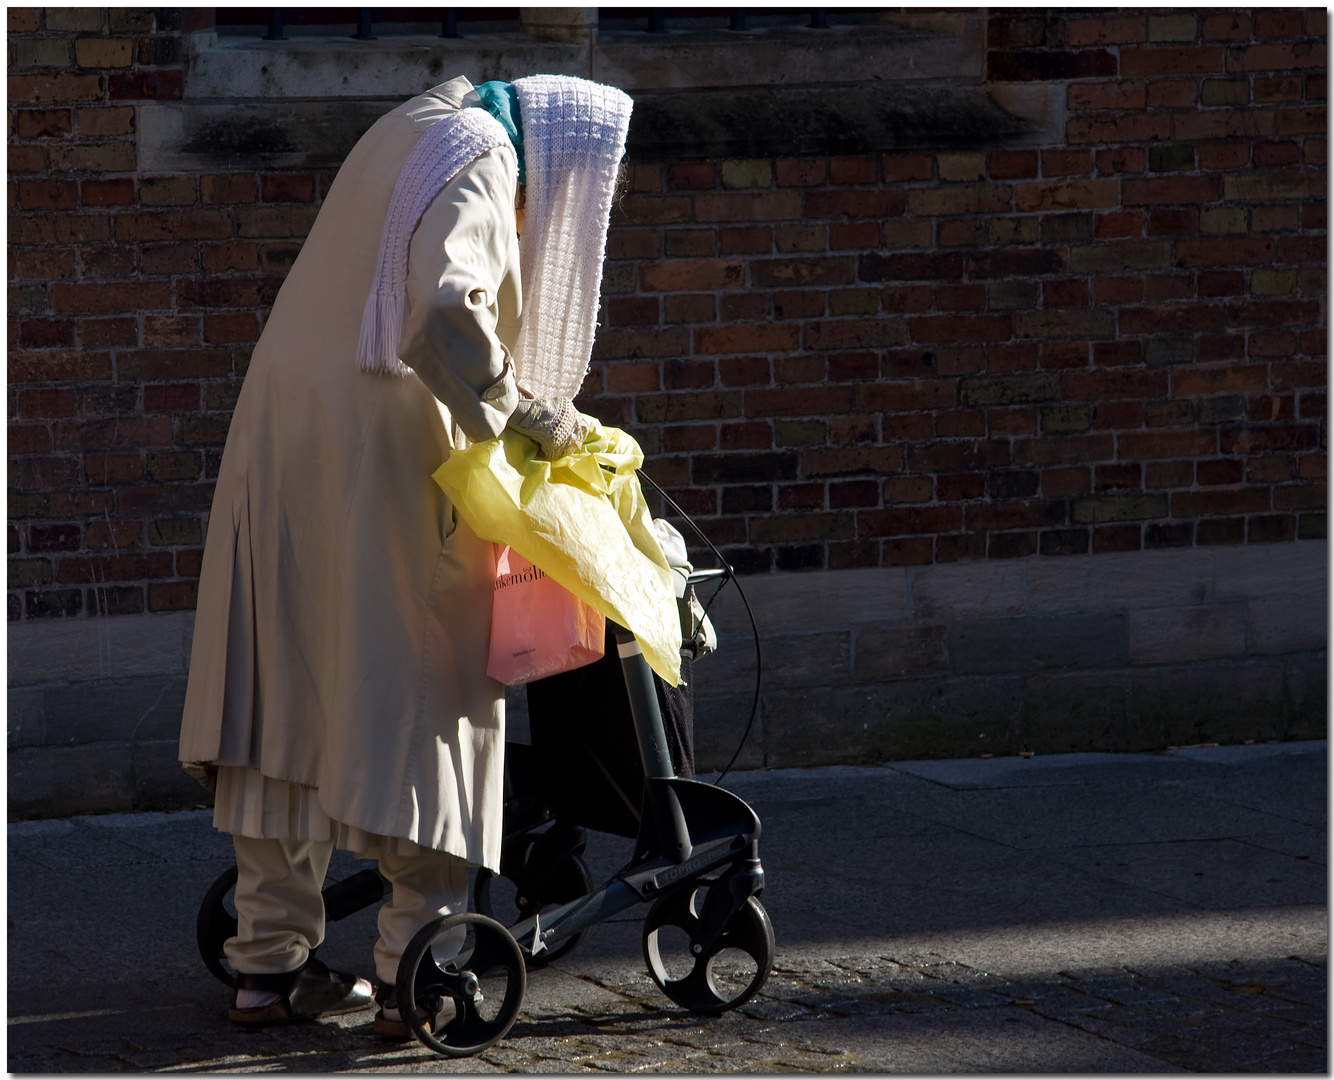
(574, 136)
(442, 151)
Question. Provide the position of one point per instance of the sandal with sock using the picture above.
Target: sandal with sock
(308, 993)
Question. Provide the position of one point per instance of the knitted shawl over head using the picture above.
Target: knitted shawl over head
(439, 155)
(574, 136)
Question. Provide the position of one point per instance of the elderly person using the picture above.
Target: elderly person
(338, 693)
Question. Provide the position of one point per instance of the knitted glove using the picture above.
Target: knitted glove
(554, 424)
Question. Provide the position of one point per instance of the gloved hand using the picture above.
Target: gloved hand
(553, 423)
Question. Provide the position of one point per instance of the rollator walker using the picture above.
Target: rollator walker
(707, 940)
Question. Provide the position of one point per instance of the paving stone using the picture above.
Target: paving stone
(916, 933)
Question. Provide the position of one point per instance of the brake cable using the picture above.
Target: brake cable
(730, 575)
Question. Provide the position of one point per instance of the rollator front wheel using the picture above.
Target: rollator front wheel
(215, 924)
(486, 980)
(729, 974)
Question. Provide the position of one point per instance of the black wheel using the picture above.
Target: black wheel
(498, 897)
(489, 960)
(215, 924)
(729, 974)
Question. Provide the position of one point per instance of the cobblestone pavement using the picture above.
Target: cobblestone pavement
(1075, 913)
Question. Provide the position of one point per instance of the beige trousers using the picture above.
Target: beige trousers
(280, 915)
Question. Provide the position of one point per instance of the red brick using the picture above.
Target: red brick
(850, 205)
(748, 206)
(1066, 163)
(1225, 251)
(1172, 189)
(1116, 30)
(239, 255)
(1221, 283)
(1012, 164)
(1224, 155)
(1068, 195)
(810, 271)
(173, 596)
(811, 401)
(1069, 293)
(1118, 128)
(1165, 444)
(684, 275)
(743, 371)
(172, 398)
(936, 329)
(105, 120)
(45, 334)
(1267, 438)
(227, 188)
(230, 328)
(1284, 58)
(1232, 26)
(969, 297)
(800, 172)
(634, 244)
(27, 159)
(959, 233)
(750, 435)
(109, 298)
(754, 240)
(861, 234)
(47, 403)
(1191, 504)
(915, 520)
(118, 192)
(1172, 60)
(127, 566)
(173, 225)
(1114, 384)
(42, 264)
(905, 299)
(746, 339)
(1271, 23)
(1096, 96)
(1120, 159)
(44, 123)
(108, 333)
(58, 86)
(1118, 224)
(47, 194)
(1173, 94)
(907, 167)
(852, 170)
(168, 365)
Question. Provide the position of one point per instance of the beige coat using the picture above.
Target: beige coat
(344, 613)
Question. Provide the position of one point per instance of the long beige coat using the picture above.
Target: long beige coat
(344, 612)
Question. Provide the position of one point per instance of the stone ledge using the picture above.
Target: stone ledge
(1104, 652)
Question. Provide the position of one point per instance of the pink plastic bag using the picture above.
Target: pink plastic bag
(538, 628)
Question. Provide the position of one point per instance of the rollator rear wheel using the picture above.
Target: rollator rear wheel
(729, 974)
(500, 898)
(489, 960)
(216, 923)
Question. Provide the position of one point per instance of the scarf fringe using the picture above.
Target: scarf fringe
(383, 320)
(441, 153)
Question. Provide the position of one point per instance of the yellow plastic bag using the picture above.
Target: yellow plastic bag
(584, 525)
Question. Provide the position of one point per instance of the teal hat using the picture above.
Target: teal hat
(500, 100)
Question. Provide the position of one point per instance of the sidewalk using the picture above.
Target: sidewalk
(1076, 913)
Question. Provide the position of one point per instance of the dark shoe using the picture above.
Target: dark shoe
(309, 992)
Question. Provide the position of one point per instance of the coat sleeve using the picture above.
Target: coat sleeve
(459, 257)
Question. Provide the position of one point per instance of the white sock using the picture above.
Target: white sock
(256, 999)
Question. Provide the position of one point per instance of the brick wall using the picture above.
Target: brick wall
(1112, 343)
